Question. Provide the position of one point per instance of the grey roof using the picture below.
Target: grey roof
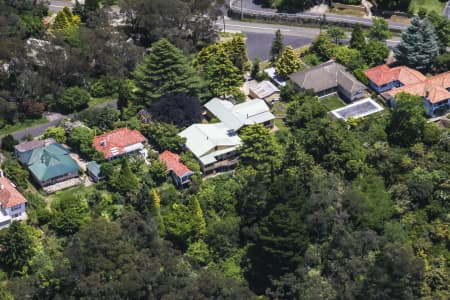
(31, 145)
(326, 76)
(263, 89)
(222, 110)
(206, 141)
(94, 168)
(236, 116)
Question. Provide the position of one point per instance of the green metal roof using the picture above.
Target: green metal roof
(51, 161)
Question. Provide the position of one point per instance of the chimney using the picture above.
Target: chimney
(103, 143)
(2, 187)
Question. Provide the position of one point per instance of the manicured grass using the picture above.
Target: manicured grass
(96, 101)
(429, 5)
(8, 129)
(332, 102)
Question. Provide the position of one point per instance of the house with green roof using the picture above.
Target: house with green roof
(48, 162)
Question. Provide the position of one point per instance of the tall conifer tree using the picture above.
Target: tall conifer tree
(358, 40)
(277, 46)
(222, 75)
(419, 46)
(165, 70)
(288, 63)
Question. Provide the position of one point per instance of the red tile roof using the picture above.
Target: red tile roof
(442, 80)
(9, 195)
(114, 143)
(433, 88)
(384, 74)
(174, 164)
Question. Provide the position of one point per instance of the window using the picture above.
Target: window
(16, 207)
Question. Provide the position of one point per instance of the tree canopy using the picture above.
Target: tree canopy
(165, 70)
(179, 109)
(418, 47)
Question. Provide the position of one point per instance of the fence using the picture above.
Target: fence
(302, 18)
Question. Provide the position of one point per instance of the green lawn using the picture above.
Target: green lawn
(69, 192)
(332, 102)
(21, 125)
(96, 101)
(429, 5)
(279, 109)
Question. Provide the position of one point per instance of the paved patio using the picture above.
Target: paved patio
(62, 185)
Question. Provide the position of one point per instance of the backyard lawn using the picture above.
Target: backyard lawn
(279, 110)
(429, 5)
(332, 102)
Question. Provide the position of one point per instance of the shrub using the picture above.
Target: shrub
(105, 86)
(73, 99)
(359, 74)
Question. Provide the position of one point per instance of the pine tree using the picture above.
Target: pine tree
(255, 68)
(125, 94)
(237, 53)
(156, 211)
(277, 47)
(336, 34)
(322, 46)
(61, 21)
(418, 47)
(288, 63)
(165, 70)
(379, 30)
(358, 40)
(222, 75)
(71, 18)
(126, 181)
(197, 212)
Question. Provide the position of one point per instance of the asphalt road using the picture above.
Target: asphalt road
(446, 11)
(252, 6)
(260, 36)
(39, 129)
(57, 5)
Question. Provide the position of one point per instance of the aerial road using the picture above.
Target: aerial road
(57, 5)
(260, 36)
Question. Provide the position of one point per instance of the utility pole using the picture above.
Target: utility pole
(242, 12)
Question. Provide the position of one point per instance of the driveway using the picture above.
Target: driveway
(53, 120)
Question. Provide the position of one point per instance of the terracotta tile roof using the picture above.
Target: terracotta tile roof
(442, 80)
(114, 143)
(384, 74)
(9, 195)
(174, 164)
(426, 89)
